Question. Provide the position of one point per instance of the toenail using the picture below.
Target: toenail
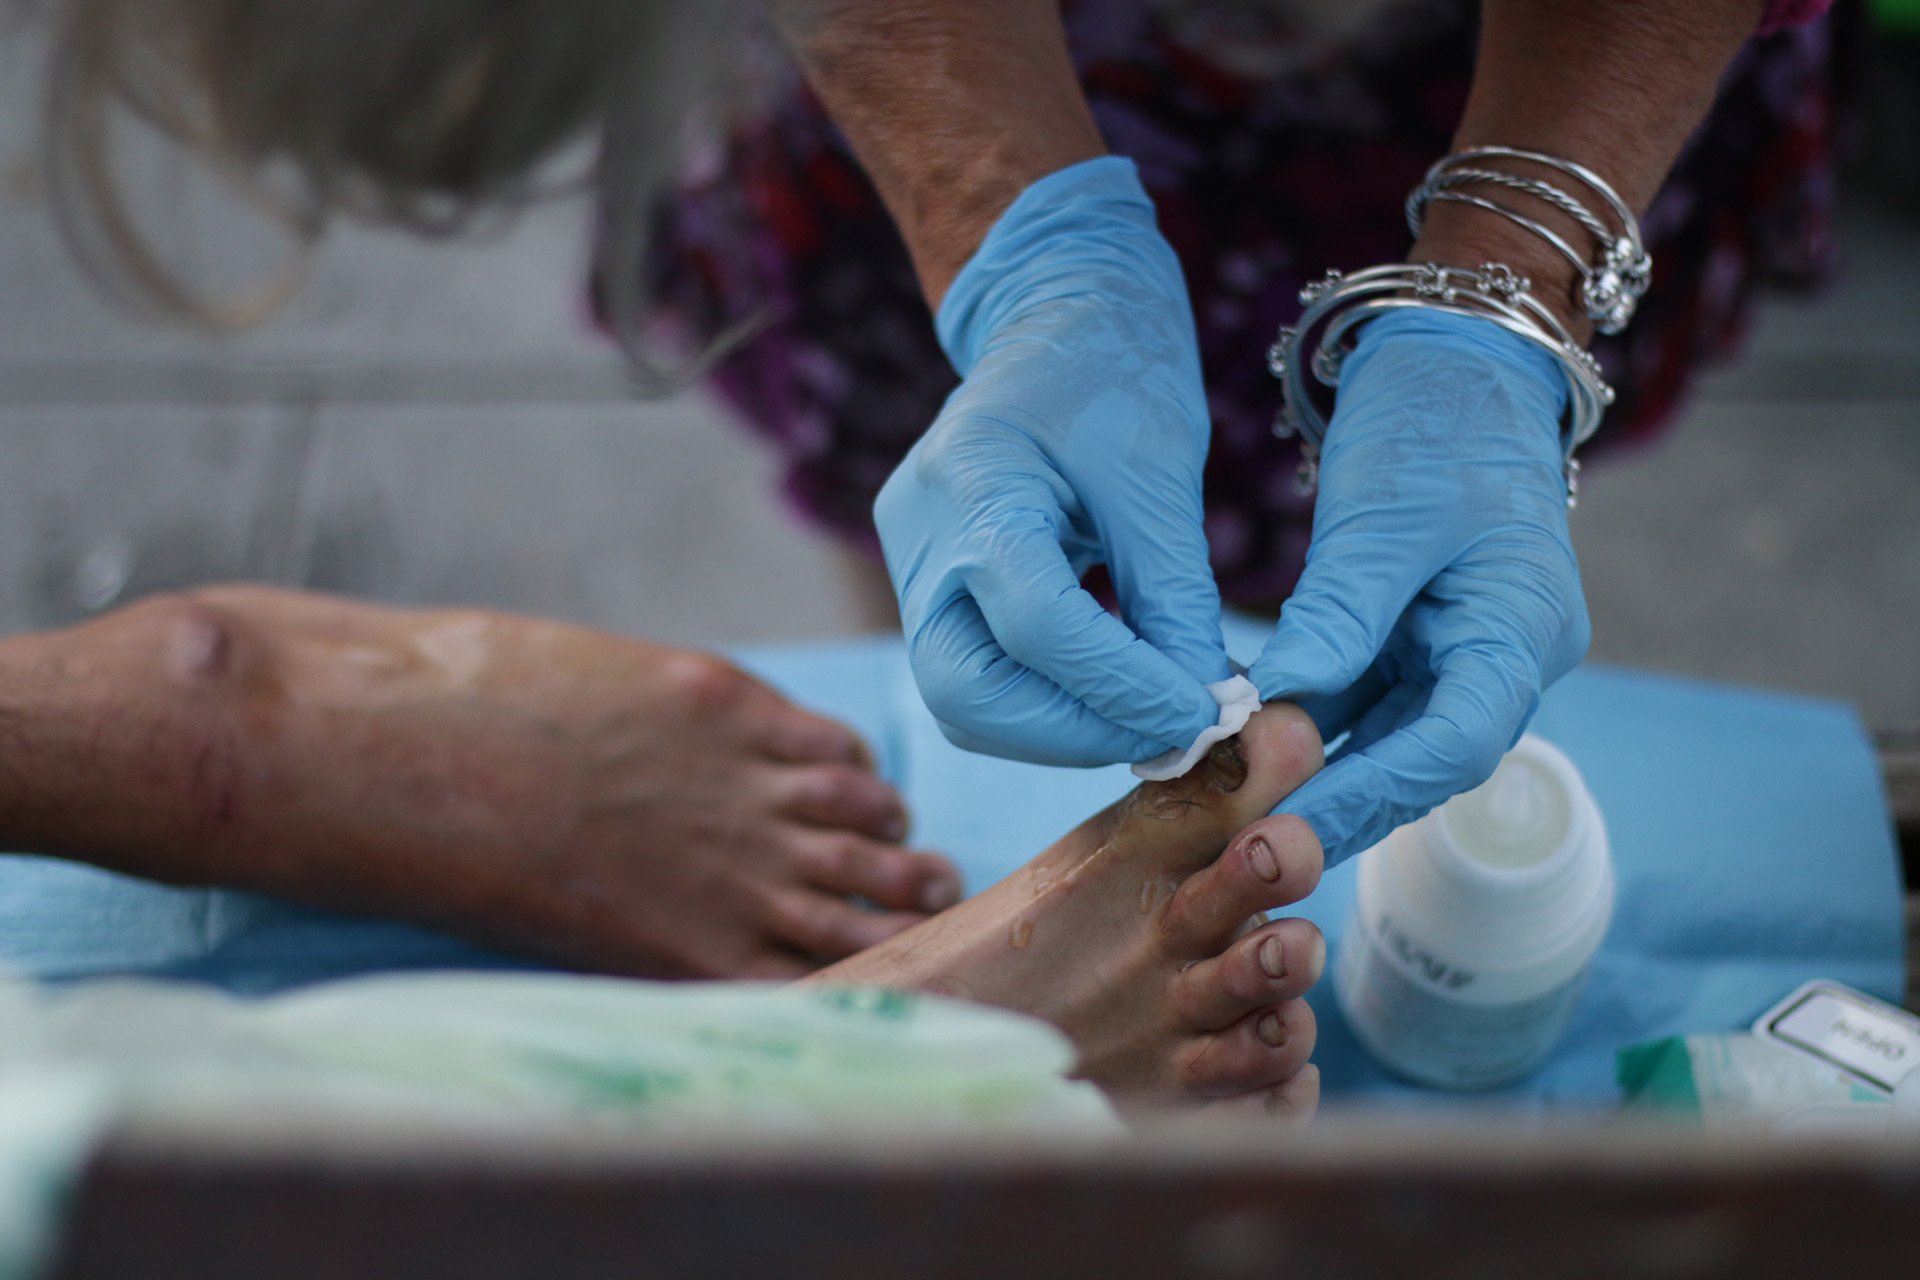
(1229, 765)
(1271, 1029)
(1265, 865)
(1273, 958)
(896, 830)
(1319, 965)
(938, 895)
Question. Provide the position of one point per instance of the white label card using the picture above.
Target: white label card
(1870, 1040)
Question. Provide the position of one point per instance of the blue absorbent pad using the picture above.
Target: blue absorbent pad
(1749, 831)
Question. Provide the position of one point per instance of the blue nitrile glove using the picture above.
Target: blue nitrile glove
(1441, 595)
(1076, 437)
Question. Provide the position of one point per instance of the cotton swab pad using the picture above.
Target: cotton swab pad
(1238, 699)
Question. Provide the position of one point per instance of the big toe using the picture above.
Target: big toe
(1282, 749)
(1239, 781)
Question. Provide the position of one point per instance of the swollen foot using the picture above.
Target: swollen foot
(1138, 934)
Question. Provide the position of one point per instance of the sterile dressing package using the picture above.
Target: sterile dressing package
(1826, 1060)
(1868, 1040)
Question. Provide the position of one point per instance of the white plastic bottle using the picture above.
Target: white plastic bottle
(1474, 927)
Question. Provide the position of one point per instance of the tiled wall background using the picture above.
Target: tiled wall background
(433, 422)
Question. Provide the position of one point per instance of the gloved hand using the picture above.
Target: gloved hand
(1076, 437)
(1441, 595)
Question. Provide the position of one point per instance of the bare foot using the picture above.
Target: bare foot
(582, 796)
(1137, 936)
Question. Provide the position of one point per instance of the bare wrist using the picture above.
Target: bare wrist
(954, 110)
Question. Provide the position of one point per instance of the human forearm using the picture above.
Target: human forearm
(953, 109)
(1616, 85)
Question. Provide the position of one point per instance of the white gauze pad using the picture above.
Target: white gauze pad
(1238, 699)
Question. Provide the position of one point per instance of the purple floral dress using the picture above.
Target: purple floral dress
(1263, 180)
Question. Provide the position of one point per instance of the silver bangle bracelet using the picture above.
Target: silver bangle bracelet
(1612, 283)
(1338, 304)
(1579, 172)
(1458, 176)
(1545, 232)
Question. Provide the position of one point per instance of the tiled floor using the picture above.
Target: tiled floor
(433, 422)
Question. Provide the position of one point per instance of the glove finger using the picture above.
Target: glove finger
(1164, 582)
(1334, 624)
(1479, 706)
(1336, 713)
(986, 702)
(1391, 712)
(1045, 621)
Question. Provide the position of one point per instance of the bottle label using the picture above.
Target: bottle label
(1406, 1005)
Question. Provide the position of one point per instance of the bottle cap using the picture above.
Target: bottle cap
(1513, 870)
(1518, 818)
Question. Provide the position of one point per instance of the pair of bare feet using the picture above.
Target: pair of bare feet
(627, 807)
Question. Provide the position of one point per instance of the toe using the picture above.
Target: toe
(1275, 963)
(854, 866)
(1283, 749)
(1263, 1049)
(800, 737)
(1274, 863)
(1290, 1102)
(1282, 852)
(832, 928)
(841, 797)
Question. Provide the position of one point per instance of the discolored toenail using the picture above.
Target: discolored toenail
(1271, 1029)
(1273, 958)
(1265, 865)
(1227, 766)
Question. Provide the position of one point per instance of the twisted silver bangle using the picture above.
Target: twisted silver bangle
(1612, 284)
(1456, 176)
(1340, 302)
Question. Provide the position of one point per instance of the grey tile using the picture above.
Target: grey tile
(1776, 544)
(653, 518)
(99, 505)
(1857, 338)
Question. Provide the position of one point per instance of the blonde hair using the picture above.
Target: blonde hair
(426, 114)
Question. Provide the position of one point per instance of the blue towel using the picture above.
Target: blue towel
(1749, 830)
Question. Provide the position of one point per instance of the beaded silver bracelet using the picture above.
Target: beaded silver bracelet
(1612, 283)
(1337, 304)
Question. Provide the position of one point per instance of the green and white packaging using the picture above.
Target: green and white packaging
(1729, 1080)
